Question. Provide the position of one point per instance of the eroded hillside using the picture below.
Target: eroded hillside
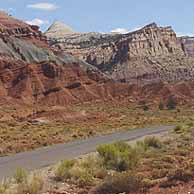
(149, 55)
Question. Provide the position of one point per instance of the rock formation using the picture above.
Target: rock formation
(35, 69)
(31, 72)
(58, 30)
(188, 45)
(151, 54)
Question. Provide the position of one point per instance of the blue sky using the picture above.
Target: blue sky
(105, 15)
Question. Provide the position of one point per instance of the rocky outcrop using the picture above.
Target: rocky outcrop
(58, 30)
(78, 68)
(31, 72)
(151, 54)
(12, 26)
(188, 45)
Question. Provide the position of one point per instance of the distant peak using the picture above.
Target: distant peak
(59, 23)
(59, 30)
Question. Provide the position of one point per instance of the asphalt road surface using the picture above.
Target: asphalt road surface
(46, 156)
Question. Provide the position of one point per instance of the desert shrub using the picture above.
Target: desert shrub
(171, 103)
(4, 185)
(81, 175)
(118, 156)
(20, 175)
(159, 173)
(34, 185)
(161, 106)
(90, 163)
(63, 170)
(2, 189)
(183, 175)
(142, 102)
(148, 142)
(145, 107)
(149, 183)
(180, 129)
(85, 178)
(190, 124)
(87, 170)
(82, 172)
(94, 165)
(120, 183)
(100, 173)
(153, 142)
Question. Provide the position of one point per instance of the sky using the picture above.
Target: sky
(105, 15)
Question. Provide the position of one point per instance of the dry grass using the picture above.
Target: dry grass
(30, 184)
(19, 135)
(164, 166)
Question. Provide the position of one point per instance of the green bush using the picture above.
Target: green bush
(118, 156)
(62, 172)
(120, 183)
(147, 143)
(161, 106)
(145, 107)
(153, 142)
(171, 103)
(81, 175)
(82, 171)
(20, 175)
(180, 129)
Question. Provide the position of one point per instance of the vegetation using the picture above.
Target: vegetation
(4, 186)
(25, 184)
(161, 106)
(181, 129)
(20, 176)
(171, 103)
(145, 107)
(149, 142)
(151, 165)
(82, 172)
(63, 170)
(34, 185)
(120, 183)
(118, 156)
(20, 135)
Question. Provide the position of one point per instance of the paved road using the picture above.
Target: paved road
(46, 156)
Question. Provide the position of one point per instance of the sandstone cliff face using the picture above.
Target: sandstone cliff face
(151, 54)
(78, 68)
(188, 45)
(33, 73)
(12, 26)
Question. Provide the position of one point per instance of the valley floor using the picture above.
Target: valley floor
(20, 130)
(162, 164)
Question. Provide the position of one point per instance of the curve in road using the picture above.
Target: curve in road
(46, 156)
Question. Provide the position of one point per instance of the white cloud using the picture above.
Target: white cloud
(120, 31)
(179, 34)
(125, 31)
(43, 6)
(8, 9)
(37, 22)
(136, 28)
